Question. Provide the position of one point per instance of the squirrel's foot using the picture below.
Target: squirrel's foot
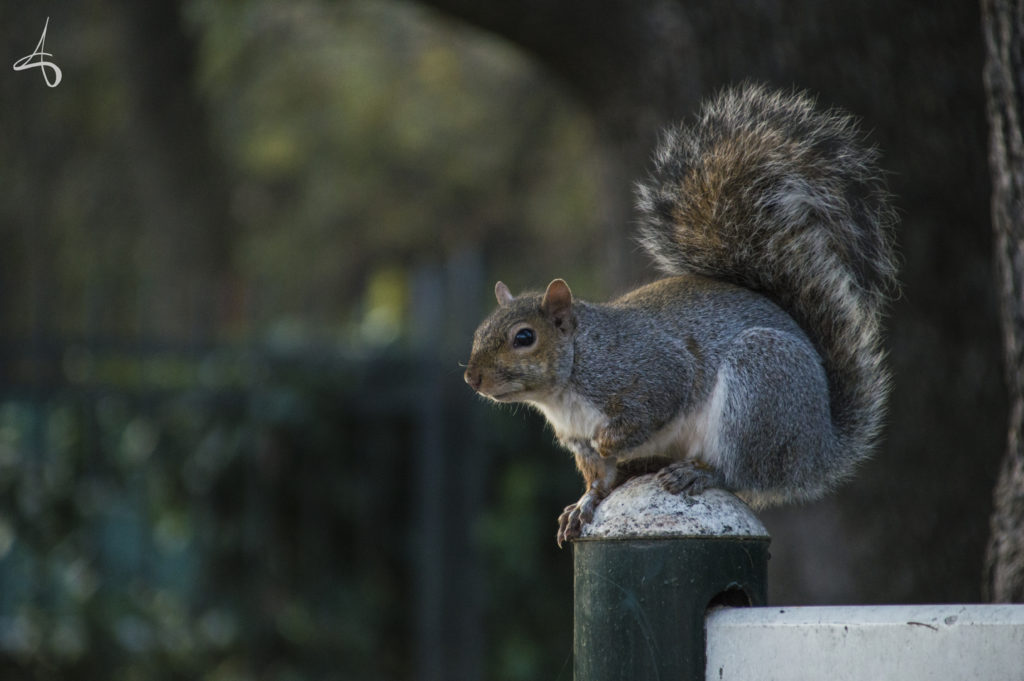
(689, 476)
(575, 516)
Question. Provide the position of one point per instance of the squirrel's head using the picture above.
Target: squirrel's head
(524, 349)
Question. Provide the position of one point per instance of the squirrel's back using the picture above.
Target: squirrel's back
(770, 193)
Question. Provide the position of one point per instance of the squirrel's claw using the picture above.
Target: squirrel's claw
(574, 517)
(689, 476)
(569, 524)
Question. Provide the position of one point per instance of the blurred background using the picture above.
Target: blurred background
(243, 248)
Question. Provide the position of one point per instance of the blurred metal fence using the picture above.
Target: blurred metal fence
(182, 510)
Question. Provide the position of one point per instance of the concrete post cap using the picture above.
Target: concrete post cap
(641, 508)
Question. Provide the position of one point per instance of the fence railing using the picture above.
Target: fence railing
(868, 643)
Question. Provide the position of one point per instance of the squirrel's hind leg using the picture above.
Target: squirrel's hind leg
(772, 431)
(689, 476)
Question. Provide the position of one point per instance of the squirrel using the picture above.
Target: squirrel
(757, 364)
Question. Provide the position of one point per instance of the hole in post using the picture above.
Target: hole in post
(733, 597)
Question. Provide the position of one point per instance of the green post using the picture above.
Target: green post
(646, 571)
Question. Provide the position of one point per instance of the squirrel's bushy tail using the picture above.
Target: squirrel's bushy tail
(769, 193)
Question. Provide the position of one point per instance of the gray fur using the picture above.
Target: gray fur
(758, 362)
(769, 193)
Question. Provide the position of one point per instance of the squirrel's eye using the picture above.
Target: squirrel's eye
(524, 338)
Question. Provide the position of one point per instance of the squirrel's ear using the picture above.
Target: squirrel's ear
(502, 293)
(557, 302)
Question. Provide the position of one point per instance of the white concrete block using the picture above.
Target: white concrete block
(867, 643)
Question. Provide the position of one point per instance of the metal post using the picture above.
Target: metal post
(647, 569)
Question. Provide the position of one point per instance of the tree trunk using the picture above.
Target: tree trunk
(1003, 24)
(185, 249)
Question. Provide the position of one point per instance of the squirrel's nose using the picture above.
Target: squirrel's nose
(472, 379)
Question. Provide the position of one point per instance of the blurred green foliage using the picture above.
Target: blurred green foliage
(263, 529)
(339, 140)
(242, 249)
(382, 136)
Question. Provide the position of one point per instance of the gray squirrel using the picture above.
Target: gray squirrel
(757, 364)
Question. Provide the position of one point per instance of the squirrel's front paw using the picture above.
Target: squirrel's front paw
(574, 517)
(570, 523)
(689, 476)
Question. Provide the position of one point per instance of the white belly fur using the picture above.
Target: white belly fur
(690, 434)
(571, 416)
